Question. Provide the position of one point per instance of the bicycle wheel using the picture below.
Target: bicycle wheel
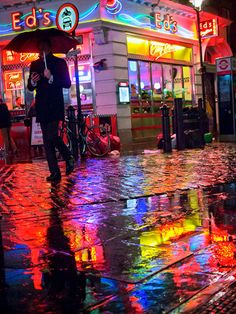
(68, 140)
(97, 141)
(65, 136)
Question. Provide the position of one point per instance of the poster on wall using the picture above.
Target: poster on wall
(13, 80)
(36, 133)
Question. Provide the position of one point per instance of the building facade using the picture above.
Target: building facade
(153, 49)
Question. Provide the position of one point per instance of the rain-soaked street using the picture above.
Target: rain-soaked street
(136, 233)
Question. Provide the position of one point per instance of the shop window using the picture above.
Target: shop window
(85, 85)
(134, 86)
(138, 46)
(13, 87)
(182, 53)
(157, 86)
(133, 79)
(177, 81)
(167, 82)
(188, 93)
(145, 86)
(154, 83)
(157, 81)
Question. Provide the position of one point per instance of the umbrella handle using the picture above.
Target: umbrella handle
(45, 61)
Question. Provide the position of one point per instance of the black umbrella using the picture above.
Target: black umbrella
(26, 42)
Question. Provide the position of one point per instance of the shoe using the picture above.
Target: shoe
(54, 177)
(70, 165)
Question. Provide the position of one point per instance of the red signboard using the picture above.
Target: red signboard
(11, 57)
(166, 22)
(223, 65)
(13, 80)
(31, 19)
(209, 28)
(67, 17)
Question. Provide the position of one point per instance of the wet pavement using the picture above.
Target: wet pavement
(136, 233)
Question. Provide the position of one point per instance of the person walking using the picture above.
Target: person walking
(5, 126)
(48, 76)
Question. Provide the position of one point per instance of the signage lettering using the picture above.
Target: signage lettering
(167, 23)
(158, 50)
(208, 28)
(11, 57)
(15, 18)
(31, 20)
(13, 80)
(28, 56)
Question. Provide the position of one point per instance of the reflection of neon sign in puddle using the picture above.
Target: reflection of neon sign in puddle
(150, 240)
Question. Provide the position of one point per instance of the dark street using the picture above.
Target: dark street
(139, 233)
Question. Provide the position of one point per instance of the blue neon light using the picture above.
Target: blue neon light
(6, 29)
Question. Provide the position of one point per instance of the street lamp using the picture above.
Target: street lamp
(197, 4)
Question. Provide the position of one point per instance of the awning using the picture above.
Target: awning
(222, 22)
(217, 47)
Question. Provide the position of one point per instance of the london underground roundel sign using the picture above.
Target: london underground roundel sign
(67, 17)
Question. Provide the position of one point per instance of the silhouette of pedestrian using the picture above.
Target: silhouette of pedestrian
(48, 76)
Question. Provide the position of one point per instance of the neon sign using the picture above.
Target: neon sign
(11, 57)
(13, 80)
(209, 28)
(31, 20)
(158, 49)
(67, 17)
(167, 23)
(113, 6)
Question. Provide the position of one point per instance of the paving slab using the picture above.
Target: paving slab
(138, 233)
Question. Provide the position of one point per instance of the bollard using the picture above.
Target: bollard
(202, 120)
(72, 127)
(179, 127)
(166, 129)
(173, 120)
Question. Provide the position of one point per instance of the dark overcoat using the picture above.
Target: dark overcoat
(5, 117)
(49, 102)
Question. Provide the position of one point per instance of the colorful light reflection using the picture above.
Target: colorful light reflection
(113, 6)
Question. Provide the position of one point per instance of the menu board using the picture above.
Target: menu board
(36, 133)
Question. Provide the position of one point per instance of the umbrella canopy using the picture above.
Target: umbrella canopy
(27, 42)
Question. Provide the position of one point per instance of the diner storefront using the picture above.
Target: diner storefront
(152, 49)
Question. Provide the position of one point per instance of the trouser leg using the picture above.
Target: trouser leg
(51, 141)
(49, 131)
(61, 146)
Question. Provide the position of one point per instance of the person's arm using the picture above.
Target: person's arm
(33, 79)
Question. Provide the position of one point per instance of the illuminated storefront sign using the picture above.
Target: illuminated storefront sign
(155, 50)
(84, 72)
(166, 22)
(13, 80)
(158, 49)
(67, 17)
(11, 57)
(31, 20)
(209, 28)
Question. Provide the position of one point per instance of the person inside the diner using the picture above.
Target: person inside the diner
(18, 104)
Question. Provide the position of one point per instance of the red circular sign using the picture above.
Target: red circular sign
(223, 64)
(67, 17)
